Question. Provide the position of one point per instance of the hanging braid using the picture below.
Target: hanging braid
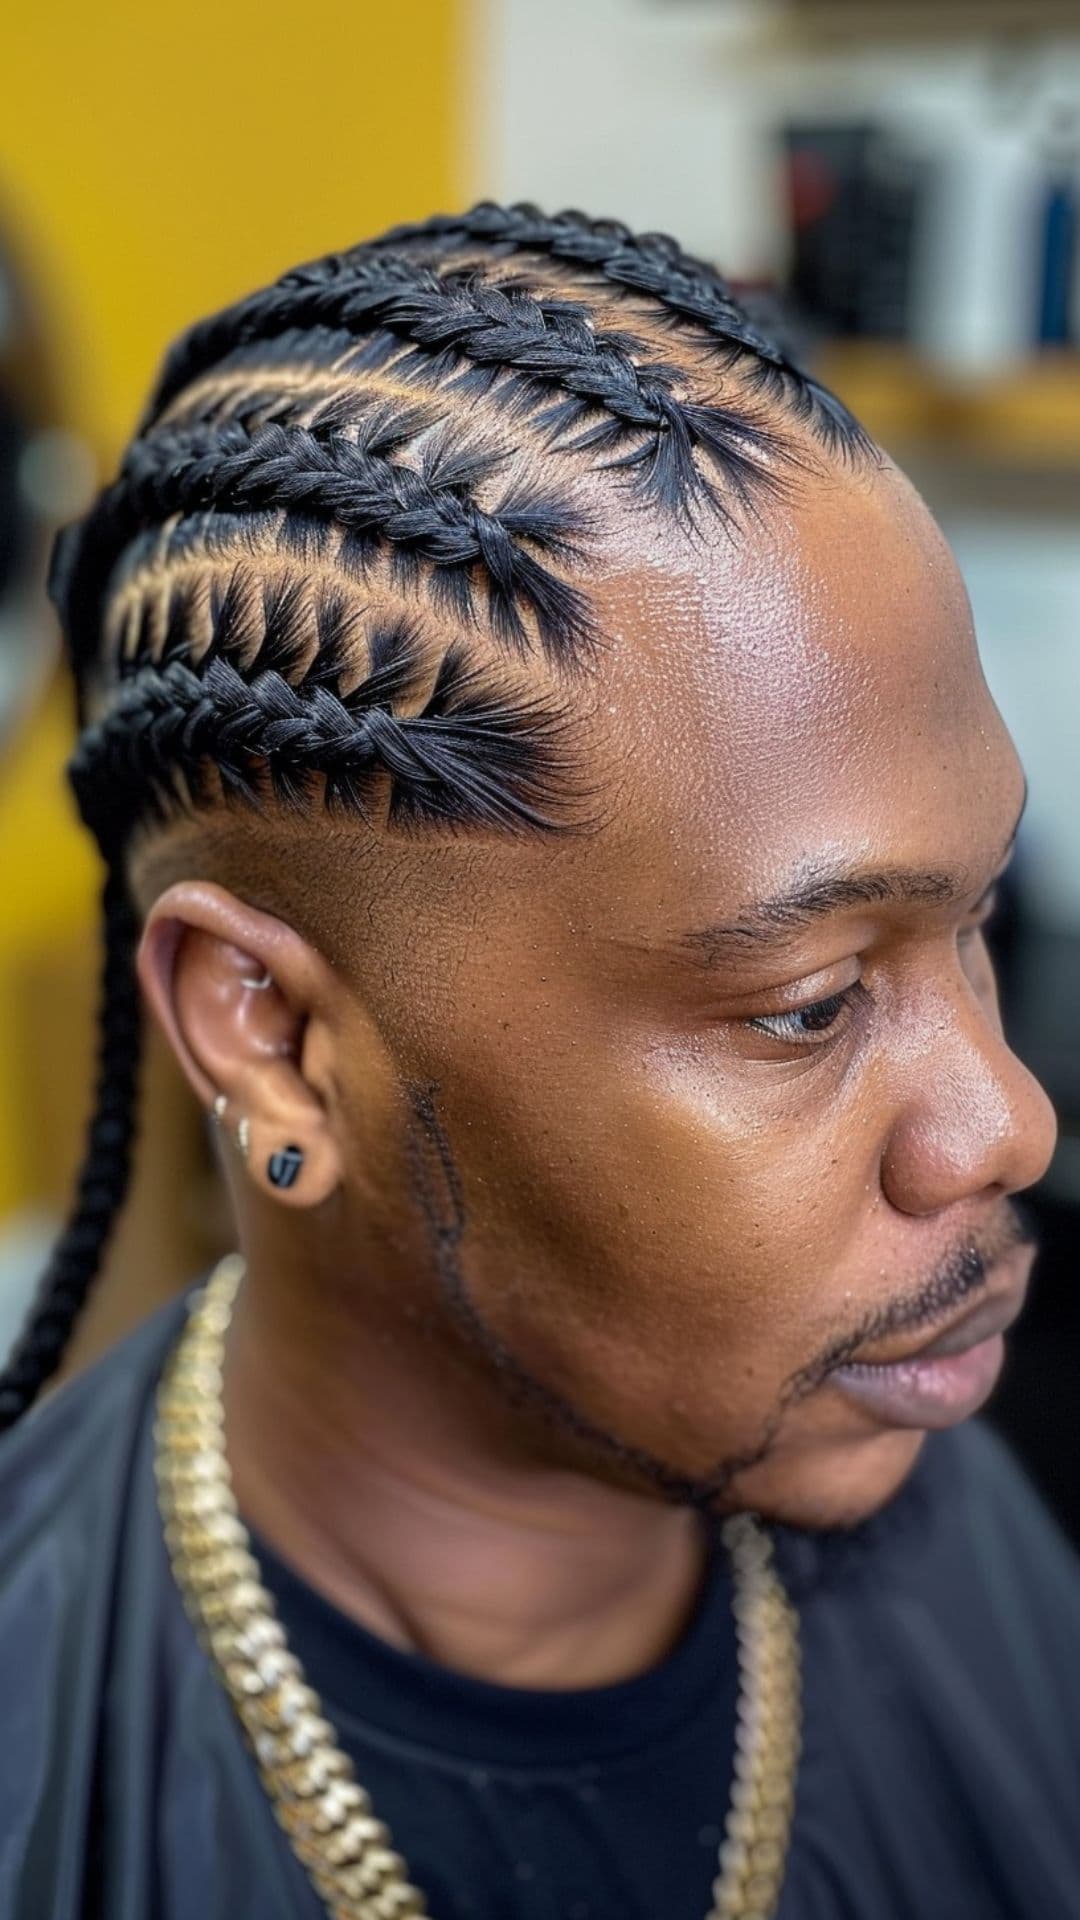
(103, 1178)
(256, 609)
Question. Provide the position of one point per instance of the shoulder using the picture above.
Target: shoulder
(979, 1497)
(968, 1536)
(105, 1693)
(991, 1532)
(69, 1455)
(963, 1590)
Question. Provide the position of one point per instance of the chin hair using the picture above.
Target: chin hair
(851, 1487)
(824, 1539)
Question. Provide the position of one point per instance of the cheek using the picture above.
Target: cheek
(753, 1182)
(671, 1238)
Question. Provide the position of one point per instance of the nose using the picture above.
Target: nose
(975, 1119)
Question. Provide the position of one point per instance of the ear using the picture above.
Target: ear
(247, 1006)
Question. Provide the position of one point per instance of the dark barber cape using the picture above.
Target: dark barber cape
(940, 1777)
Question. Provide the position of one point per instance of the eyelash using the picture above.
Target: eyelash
(784, 1027)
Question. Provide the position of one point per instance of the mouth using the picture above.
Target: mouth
(949, 1377)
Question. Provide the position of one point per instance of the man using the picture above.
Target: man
(544, 745)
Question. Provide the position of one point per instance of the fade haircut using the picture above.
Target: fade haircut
(318, 492)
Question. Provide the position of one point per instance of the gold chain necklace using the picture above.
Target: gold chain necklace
(310, 1780)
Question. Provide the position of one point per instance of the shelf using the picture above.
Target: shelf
(861, 22)
(1029, 417)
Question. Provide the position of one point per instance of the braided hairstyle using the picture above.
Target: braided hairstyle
(330, 472)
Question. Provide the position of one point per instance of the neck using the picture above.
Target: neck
(390, 1492)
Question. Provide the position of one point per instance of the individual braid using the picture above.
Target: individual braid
(170, 724)
(104, 1175)
(247, 608)
(334, 290)
(653, 264)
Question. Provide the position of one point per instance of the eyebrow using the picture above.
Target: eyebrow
(767, 924)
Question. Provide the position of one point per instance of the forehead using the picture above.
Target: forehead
(807, 687)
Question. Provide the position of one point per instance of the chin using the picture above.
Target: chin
(825, 1485)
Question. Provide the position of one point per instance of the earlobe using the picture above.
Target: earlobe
(296, 1175)
(283, 1167)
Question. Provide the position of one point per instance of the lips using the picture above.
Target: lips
(992, 1316)
(925, 1393)
(949, 1377)
(992, 1313)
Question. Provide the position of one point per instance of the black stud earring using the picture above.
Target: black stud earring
(284, 1165)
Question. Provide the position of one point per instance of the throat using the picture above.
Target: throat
(526, 1577)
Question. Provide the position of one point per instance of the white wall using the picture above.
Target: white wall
(623, 107)
(660, 111)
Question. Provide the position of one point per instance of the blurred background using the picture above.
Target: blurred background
(905, 174)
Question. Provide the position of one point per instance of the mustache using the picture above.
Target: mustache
(961, 1273)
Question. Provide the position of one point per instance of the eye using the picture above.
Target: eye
(805, 1026)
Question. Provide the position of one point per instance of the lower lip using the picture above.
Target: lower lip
(926, 1393)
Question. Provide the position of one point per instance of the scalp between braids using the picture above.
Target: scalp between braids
(318, 471)
(212, 659)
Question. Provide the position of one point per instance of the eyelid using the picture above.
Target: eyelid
(804, 994)
(849, 996)
(847, 1000)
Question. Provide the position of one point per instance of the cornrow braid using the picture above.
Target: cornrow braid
(317, 471)
(171, 725)
(653, 264)
(545, 342)
(324, 474)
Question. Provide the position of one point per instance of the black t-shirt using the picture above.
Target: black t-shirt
(585, 1804)
(939, 1780)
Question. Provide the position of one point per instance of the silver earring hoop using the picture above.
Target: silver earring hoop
(260, 985)
(217, 1111)
(243, 1136)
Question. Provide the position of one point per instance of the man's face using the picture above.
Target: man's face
(702, 1149)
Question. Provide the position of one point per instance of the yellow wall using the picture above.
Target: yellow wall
(155, 161)
(161, 158)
